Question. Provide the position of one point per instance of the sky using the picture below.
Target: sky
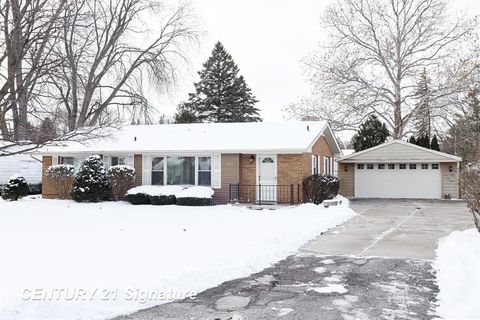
(267, 39)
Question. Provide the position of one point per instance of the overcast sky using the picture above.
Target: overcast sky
(267, 39)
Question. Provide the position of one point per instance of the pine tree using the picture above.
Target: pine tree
(434, 144)
(91, 183)
(222, 95)
(412, 140)
(370, 134)
(422, 113)
(185, 114)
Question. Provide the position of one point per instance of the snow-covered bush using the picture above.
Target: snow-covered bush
(34, 188)
(320, 187)
(16, 188)
(61, 176)
(121, 179)
(471, 189)
(91, 183)
(195, 196)
(156, 195)
(138, 198)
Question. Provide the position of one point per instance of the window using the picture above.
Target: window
(360, 166)
(435, 166)
(181, 170)
(391, 166)
(66, 160)
(402, 166)
(424, 166)
(381, 166)
(205, 171)
(370, 166)
(116, 161)
(158, 169)
(412, 166)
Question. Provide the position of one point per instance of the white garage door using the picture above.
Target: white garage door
(415, 181)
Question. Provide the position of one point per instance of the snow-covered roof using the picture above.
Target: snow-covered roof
(207, 137)
(399, 151)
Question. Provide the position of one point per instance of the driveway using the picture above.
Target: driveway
(376, 266)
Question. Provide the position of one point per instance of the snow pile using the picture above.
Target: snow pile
(156, 190)
(196, 192)
(457, 268)
(120, 254)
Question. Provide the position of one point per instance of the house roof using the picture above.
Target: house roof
(399, 151)
(288, 137)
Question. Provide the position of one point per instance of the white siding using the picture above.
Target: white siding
(23, 165)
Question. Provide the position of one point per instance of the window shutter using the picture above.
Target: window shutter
(130, 161)
(217, 171)
(106, 161)
(146, 170)
(313, 164)
(54, 160)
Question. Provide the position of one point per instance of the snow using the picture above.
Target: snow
(196, 192)
(330, 288)
(457, 266)
(201, 137)
(115, 258)
(156, 190)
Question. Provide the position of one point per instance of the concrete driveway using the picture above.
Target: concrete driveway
(393, 228)
(376, 266)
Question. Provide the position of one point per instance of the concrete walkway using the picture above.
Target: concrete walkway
(393, 228)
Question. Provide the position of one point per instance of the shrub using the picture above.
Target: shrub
(121, 179)
(138, 198)
(471, 187)
(34, 188)
(320, 187)
(61, 176)
(193, 201)
(16, 188)
(91, 183)
(163, 200)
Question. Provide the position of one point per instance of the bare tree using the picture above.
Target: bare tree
(107, 52)
(376, 51)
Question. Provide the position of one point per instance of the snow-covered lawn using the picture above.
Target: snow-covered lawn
(458, 275)
(108, 258)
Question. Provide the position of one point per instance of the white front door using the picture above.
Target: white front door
(267, 179)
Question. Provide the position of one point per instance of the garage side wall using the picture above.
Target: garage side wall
(450, 180)
(346, 174)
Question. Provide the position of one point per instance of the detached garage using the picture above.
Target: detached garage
(398, 169)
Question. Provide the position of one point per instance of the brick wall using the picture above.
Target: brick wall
(137, 164)
(291, 170)
(322, 149)
(48, 189)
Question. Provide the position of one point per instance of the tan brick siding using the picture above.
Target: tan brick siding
(450, 180)
(230, 175)
(48, 189)
(322, 149)
(248, 177)
(137, 164)
(347, 179)
(291, 170)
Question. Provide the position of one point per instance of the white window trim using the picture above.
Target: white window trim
(315, 164)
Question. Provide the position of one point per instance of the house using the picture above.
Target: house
(252, 162)
(22, 164)
(398, 169)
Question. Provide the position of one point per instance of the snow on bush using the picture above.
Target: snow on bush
(91, 183)
(61, 176)
(115, 246)
(196, 192)
(320, 187)
(121, 178)
(457, 268)
(156, 190)
(16, 188)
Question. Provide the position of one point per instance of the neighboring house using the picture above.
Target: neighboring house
(398, 169)
(251, 162)
(22, 164)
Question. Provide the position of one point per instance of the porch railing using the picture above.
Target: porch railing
(265, 194)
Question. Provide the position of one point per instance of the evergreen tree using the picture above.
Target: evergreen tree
(422, 114)
(370, 134)
(222, 95)
(412, 140)
(185, 114)
(91, 183)
(434, 144)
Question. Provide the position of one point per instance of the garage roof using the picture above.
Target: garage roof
(399, 151)
(287, 137)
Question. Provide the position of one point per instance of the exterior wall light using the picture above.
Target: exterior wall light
(345, 167)
(450, 168)
(252, 157)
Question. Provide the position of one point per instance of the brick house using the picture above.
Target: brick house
(251, 162)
